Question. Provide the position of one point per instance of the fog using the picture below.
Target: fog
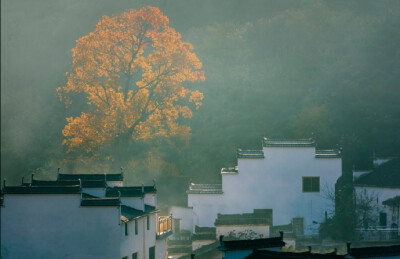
(286, 69)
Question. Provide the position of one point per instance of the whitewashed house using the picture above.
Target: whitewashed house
(82, 216)
(377, 200)
(288, 176)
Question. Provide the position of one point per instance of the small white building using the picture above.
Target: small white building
(377, 200)
(82, 216)
(288, 176)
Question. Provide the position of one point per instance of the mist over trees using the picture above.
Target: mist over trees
(284, 69)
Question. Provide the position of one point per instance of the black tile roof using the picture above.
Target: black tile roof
(375, 251)
(131, 191)
(253, 154)
(392, 202)
(275, 254)
(229, 170)
(259, 217)
(129, 213)
(386, 175)
(72, 189)
(328, 153)
(288, 142)
(204, 189)
(85, 183)
(86, 195)
(100, 202)
(95, 177)
(250, 244)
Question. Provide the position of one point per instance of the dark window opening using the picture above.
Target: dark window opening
(382, 219)
(152, 252)
(148, 222)
(136, 227)
(126, 228)
(310, 184)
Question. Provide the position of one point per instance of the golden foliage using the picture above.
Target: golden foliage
(131, 69)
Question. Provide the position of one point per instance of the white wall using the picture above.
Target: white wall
(186, 217)
(134, 202)
(243, 231)
(150, 199)
(115, 183)
(55, 226)
(206, 207)
(98, 192)
(141, 242)
(273, 182)
(161, 246)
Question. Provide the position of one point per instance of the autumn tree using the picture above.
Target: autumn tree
(131, 69)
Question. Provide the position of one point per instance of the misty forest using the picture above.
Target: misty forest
(176, 101)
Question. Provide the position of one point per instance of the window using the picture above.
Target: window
(126, 228)
(125, 257)
(136, 227)
(152, 252)
(148, 222)
(382, 219)
(134, 255)
(310, 184)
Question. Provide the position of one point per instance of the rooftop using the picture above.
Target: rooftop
(375, 251)
(205, 189)
(100, 202)
(328, 153)
(229, 170)
(84, 183)
(254, 154)
(386, 175)
(288, 142)
(95, 177)
(129, 213)
(250, 244)
(131, 191)
(72, 189)
(259, 217)
(276, 254)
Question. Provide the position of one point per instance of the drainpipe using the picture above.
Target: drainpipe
(144, 239)
(119, 209)
(143, 197)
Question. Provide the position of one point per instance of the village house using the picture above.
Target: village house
(290, 177)
(377, 200)
(82, 216)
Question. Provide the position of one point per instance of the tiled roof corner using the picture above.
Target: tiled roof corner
(328, 153)
(252, 154)
(229, 170)
(205, 189)
(129, 191)
(386, 176)
(288, 142)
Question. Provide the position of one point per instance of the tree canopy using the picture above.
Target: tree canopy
(131, 70)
